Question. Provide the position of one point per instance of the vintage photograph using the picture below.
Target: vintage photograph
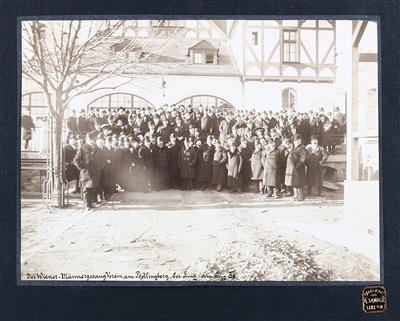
(199, 150)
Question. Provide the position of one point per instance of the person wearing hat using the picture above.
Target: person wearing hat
(205, 156)
(160, 165)
(173, 156)
(27, 127)
(295, 175)
(89, 174)
(71, 171)
(234, 166)
(72, 128)
(219, 166)
(164, 130)
(225, 128)
(272, 162)
(257, 169)
(316, 157)
(186, 164)
(146, 155)
(82, 123)
(121, 116)
(285, 147)
(101, 120)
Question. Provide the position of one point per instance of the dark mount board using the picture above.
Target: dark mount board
(294, 302)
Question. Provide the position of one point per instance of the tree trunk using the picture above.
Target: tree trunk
(56, 150)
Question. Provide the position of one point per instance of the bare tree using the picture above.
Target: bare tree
(70, 58)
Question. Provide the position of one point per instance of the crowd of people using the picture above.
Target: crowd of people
(187, 148)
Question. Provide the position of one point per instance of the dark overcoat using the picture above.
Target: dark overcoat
(246, 170)
(257, 168)
(314, 168)
(161, 164)
(186, 163)
(295, 167)
(234, 166)
(272, 162)
(85, 161)
(205, 156)
(219, 166)
(71, 171)
(147, 164)
(173, 156)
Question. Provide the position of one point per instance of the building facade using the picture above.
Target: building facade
(262, 65)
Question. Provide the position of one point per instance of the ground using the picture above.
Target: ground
(196, 235)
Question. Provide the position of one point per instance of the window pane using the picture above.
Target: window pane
(285, 35)
(293, 35)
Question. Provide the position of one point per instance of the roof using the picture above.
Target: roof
(169, 56)
(203, 45)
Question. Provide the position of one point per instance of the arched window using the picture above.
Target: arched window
(37, 103)
(205, 101)
(289, 98)
(128, 101)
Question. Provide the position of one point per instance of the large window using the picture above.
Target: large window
(205, 101)
(39, 111)
(198, 58)
(128, 101)
(289, 97)
(290, 46)
(37, 103)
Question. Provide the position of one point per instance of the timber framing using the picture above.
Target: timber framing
(315, 59)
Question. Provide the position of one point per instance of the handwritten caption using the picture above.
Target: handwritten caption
(136, 276)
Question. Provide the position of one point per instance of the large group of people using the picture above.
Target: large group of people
(181, 147)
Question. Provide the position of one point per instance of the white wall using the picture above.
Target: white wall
(268, 95)
(177, 88)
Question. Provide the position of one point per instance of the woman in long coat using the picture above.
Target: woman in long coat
(295, 168)
(315, 158)
(257, 168)
(234, 166)
(219, 168)
(272, 162)
(205, 156)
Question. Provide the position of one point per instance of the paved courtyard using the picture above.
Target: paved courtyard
(177, 235)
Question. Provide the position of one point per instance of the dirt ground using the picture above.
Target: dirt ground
(201, 236)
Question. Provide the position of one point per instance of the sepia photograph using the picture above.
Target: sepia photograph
(221, 152)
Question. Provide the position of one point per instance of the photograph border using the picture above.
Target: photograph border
(203, 283)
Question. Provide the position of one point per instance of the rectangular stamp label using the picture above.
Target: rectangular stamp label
(374, 299)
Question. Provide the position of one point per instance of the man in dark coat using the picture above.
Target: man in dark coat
(89, 174)
(316, 156)
(186, 164)
(71, 171)
(173, 156)
(147, 159)
(83, 123)
(272, 162)
(295, 168)
(160, 165)
(205, 163)
(135, 178)
(246, 151)
(72, 125)
(27, 127)
(164, 131)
